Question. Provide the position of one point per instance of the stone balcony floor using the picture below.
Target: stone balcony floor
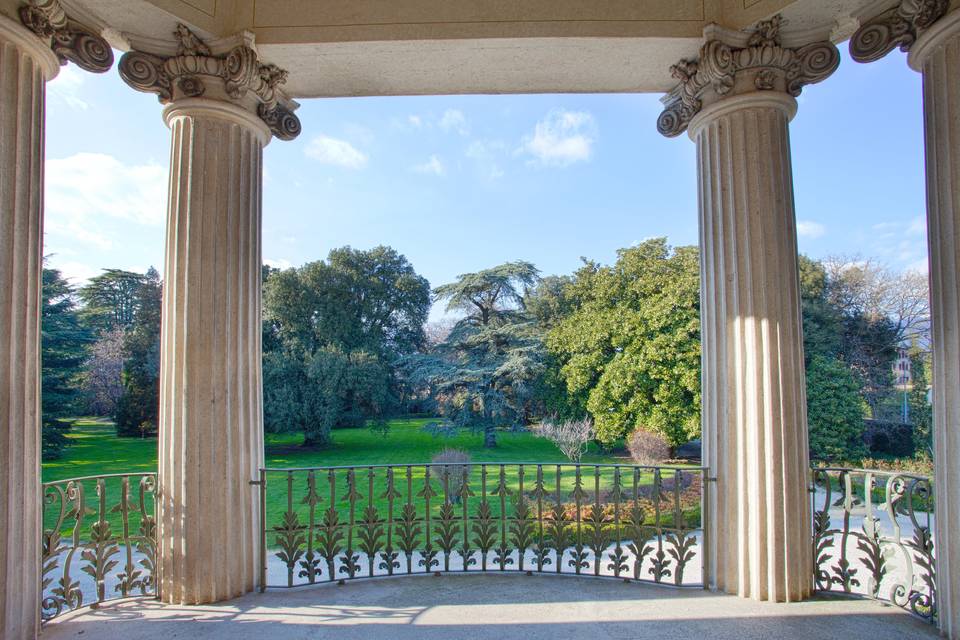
(499, 607)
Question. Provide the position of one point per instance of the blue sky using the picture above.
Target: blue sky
(460, 183)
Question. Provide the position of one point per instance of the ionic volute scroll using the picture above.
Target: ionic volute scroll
(722, 69)
(69, 40)
(196, 71)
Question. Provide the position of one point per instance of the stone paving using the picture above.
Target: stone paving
(498, 607)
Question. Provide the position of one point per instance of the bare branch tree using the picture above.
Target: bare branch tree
(102, 383)
(437, 331)
(867, 287)
(571, 436)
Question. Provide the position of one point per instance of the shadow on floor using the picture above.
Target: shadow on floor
(492, 607)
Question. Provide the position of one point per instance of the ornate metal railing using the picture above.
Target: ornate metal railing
(341, 523)
(99, 540)
(873, 536)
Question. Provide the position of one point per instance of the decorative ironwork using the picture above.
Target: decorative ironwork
(615, 521)
(872, 536)
(99, 541)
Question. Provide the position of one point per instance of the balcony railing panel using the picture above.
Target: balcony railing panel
(342, 523)
(99, 540)
(873, 536)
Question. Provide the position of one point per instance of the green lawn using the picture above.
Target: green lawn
(95, 450)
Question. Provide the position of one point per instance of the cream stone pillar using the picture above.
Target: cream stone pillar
(25, 64)
(937, 55)
(30, 54)
(222, 111)
(736, 101)
(211, 433)
(932, 38)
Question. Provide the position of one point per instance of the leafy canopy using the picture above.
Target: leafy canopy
(485, 374)
(63, 345)
(333, 333)
(631, 345)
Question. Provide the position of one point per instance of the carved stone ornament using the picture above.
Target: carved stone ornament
(897, 27)
(69, 40)
(186, 75)
(764, 64)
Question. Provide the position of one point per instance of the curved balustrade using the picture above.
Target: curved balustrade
(873, 536)
(99, 540)
(341, 523)
(872, 530)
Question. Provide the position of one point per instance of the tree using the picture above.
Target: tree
(822, 322)
(491, 294)
(865, 287)
(329, 390)
(921, 413)
(62, 353)
(356, 300)
(139, 406)
(333, 333)
(834, 414)
(102, 380)
(549, 303)
(572, 437)
(632, 343)
(111, 298)
(484, 374)
(859, 312)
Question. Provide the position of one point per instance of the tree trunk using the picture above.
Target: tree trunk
(489, 437)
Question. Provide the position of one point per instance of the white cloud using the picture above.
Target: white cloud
(336, 152)
(918, 227)
(810, 229)
(561, 138)
(432, 166)
(484, 149)
(88, 186)
(280, 263)
(66, 86)
(78, 231)
(415, 121)
(486, 153)
(78, 273)
(900, 242)
(454, 120)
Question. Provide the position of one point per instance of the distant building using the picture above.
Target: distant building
(901, 369)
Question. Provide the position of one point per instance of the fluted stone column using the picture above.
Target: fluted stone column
(736, 101)
(754, 403)
(25, 65)
(222, 109)
(211, 430)
(931, 35)
(937, 55)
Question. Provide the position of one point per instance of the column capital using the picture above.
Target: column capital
(68, 39)
(755, 99)
(11, 31)
(899, 26)
(220, 109)
(236, 77)
(733, 63)
(930, 40)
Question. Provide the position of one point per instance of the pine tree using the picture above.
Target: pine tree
(138, 407)
(62, 354)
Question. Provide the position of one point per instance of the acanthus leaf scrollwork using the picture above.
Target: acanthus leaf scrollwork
(69, 40)
(897, 27)
(186, 74)
(770, 65)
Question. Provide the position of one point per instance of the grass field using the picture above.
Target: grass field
(95, 450)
